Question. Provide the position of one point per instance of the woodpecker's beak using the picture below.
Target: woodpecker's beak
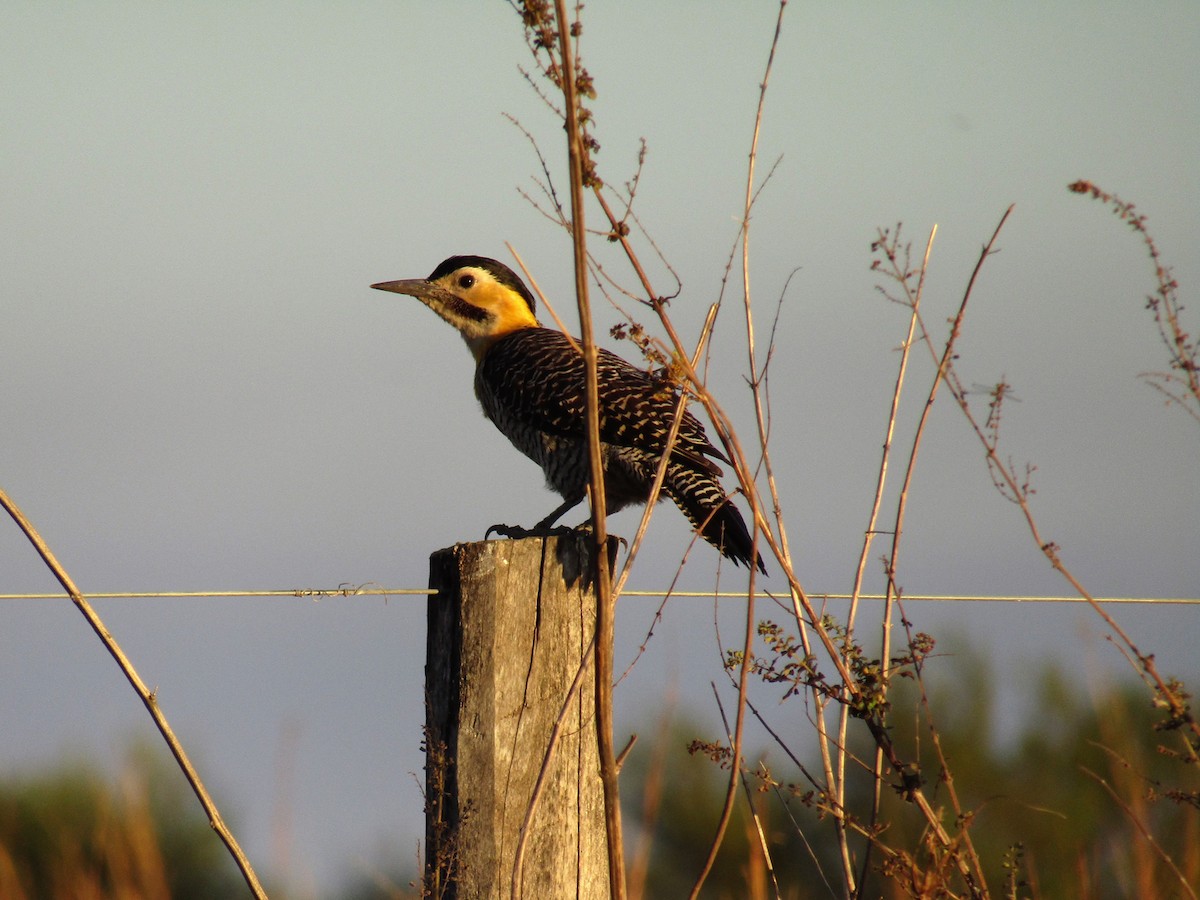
(445, 303)
(414, 287)
(432, 295)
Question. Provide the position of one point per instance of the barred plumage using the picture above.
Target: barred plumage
(530, 383)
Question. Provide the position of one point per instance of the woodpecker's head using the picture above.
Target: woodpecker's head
(482, 298)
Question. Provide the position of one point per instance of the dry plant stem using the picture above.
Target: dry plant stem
(1178, 708)
(1180, 345)
(543, 299)
(1145, 832)
(147, 696)
(660, 473)
(655, 492)
(604, 604)
(756, 383)
(757, 376)
(970, 868)
(672, 435)
(802, 606)
(782, 550)
(735, 762)
(764, 847)
(868, 537)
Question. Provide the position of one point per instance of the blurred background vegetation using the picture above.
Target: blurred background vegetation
(1053, 811)
(1046, 824)
(70, 832)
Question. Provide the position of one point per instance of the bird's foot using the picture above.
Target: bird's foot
(517, 532)
(585, 527)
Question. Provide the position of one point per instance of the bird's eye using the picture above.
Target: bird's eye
(466, 281)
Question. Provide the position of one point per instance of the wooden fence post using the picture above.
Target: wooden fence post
(508, 627)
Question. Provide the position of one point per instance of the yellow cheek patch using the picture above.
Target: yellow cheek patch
(508, 309)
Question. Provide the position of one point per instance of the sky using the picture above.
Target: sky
(199, 391)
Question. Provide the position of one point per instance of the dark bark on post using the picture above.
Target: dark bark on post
(508, 629)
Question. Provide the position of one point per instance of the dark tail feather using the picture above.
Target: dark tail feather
(726, 530)
(702, 500)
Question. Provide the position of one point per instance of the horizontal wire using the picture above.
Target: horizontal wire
(321, 594)
(953, 598)
(315, 594)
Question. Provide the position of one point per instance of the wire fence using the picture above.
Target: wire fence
(364, 591)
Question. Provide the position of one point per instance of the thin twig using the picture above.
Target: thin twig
(661, 471)
(1143, 830)
(736, 745)
(868, 537)
(971, 869)
(1177, 707)
(604, 605)
(545, 301)
(748, 644)
(764, 847)
(148, 697)
(1164, 303)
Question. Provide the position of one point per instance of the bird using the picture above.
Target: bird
(530, 381)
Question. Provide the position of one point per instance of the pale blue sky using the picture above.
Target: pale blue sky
(199, 391)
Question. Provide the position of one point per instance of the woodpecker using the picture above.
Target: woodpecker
(530, 382)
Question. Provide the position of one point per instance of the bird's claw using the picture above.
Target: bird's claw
(516, 532)
(504, 531)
